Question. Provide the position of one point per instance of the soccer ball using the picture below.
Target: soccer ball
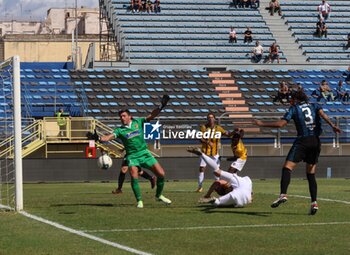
(104, 162)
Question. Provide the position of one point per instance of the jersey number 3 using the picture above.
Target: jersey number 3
(307, 116)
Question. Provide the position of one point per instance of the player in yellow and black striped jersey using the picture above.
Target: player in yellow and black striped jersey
(239, 151)
(210, 146)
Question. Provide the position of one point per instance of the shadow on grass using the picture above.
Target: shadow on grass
(210, 209)
(92, 204)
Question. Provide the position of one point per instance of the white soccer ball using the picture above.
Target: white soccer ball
(104, 162)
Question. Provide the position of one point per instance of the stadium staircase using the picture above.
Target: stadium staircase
(284, 37)
(45, 133)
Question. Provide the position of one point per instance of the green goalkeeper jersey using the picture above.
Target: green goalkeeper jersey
(132, 137)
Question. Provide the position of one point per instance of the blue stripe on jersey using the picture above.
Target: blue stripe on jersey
(306, 119)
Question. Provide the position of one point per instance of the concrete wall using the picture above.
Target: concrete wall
(36, 170)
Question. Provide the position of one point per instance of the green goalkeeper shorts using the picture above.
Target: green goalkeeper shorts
(141, 159)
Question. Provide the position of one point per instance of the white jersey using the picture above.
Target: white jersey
(242, 188)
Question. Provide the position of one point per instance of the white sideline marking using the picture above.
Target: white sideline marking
(323, 199)
(218, 227)
(81, 233)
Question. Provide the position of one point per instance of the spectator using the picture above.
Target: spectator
(326, 92)
(283, 93)
(342, 92)
(149, 6)
(324, 10)
(321, 28)
(274, 53)
(248, 36)
(347, 46)
(236, 3)
(233, 35)
(133, 5)
(156, 6)
(244, 3)
(274, 6)
(255, 3)
(258, 51)
(347, 79)
(141, 5)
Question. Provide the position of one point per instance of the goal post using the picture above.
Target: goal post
(11, 174)
(18, 133)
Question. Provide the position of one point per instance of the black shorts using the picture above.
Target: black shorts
(305, 149)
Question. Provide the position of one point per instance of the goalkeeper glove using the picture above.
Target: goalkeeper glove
(164, 102)
(93, 136)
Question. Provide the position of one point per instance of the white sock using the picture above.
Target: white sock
(210, 162)
(200, 179)
(224, 200)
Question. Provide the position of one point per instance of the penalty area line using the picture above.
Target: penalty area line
(82, 234)
(218, 227)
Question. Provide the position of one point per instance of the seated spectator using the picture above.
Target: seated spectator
(274, 6)
(233, 35)
(283, 93)
(133, 5)
(156, 5)
(324, 10)
(141, 5)
(347, 79)
(236, 3)
(244, 3)
(248, 36)
(274, 53)
(326, 92)
(149, 6)
(258, 51)
(255, 3)
(347, 46)
(321, 28)
(342, 92)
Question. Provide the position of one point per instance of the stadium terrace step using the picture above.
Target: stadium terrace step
(225, 88)
(223, 82)
(230, 102)
(231, 95)
(234, 116)
(237, 109)
(220, 75)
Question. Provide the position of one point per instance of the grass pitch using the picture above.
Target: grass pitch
(185, 227)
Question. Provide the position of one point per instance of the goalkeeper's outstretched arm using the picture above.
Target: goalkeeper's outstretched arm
(155, 112)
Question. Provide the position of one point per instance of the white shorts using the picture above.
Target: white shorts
(238, 164)
(202, 163)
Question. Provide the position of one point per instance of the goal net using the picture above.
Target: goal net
(11, 194)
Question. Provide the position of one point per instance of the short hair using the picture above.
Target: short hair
(124, 110)
(211, 114)
(299, 96)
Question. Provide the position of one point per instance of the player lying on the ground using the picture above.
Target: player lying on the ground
(241, 193)
(121, 178)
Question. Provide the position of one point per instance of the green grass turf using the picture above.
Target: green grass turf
(91, 206)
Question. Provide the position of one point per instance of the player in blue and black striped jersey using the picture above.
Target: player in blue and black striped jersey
(306, 147)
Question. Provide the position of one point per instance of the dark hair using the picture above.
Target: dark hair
(124, 110)
(299, 96)
(211, 114)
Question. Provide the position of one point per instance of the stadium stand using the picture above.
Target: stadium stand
(187, 31)
(302, 16)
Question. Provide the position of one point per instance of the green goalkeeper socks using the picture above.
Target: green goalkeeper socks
(136, 189)
(160, 186)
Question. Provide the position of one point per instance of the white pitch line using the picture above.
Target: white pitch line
(218, 227)
(82, 234)
(324, 199)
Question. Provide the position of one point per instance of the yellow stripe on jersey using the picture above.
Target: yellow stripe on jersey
(211, 150)
(239, 151)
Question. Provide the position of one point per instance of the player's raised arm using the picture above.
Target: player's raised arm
(327, 119)
(155, 112)
(272, 124)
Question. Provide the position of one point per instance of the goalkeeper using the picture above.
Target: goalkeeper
(137, 153)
